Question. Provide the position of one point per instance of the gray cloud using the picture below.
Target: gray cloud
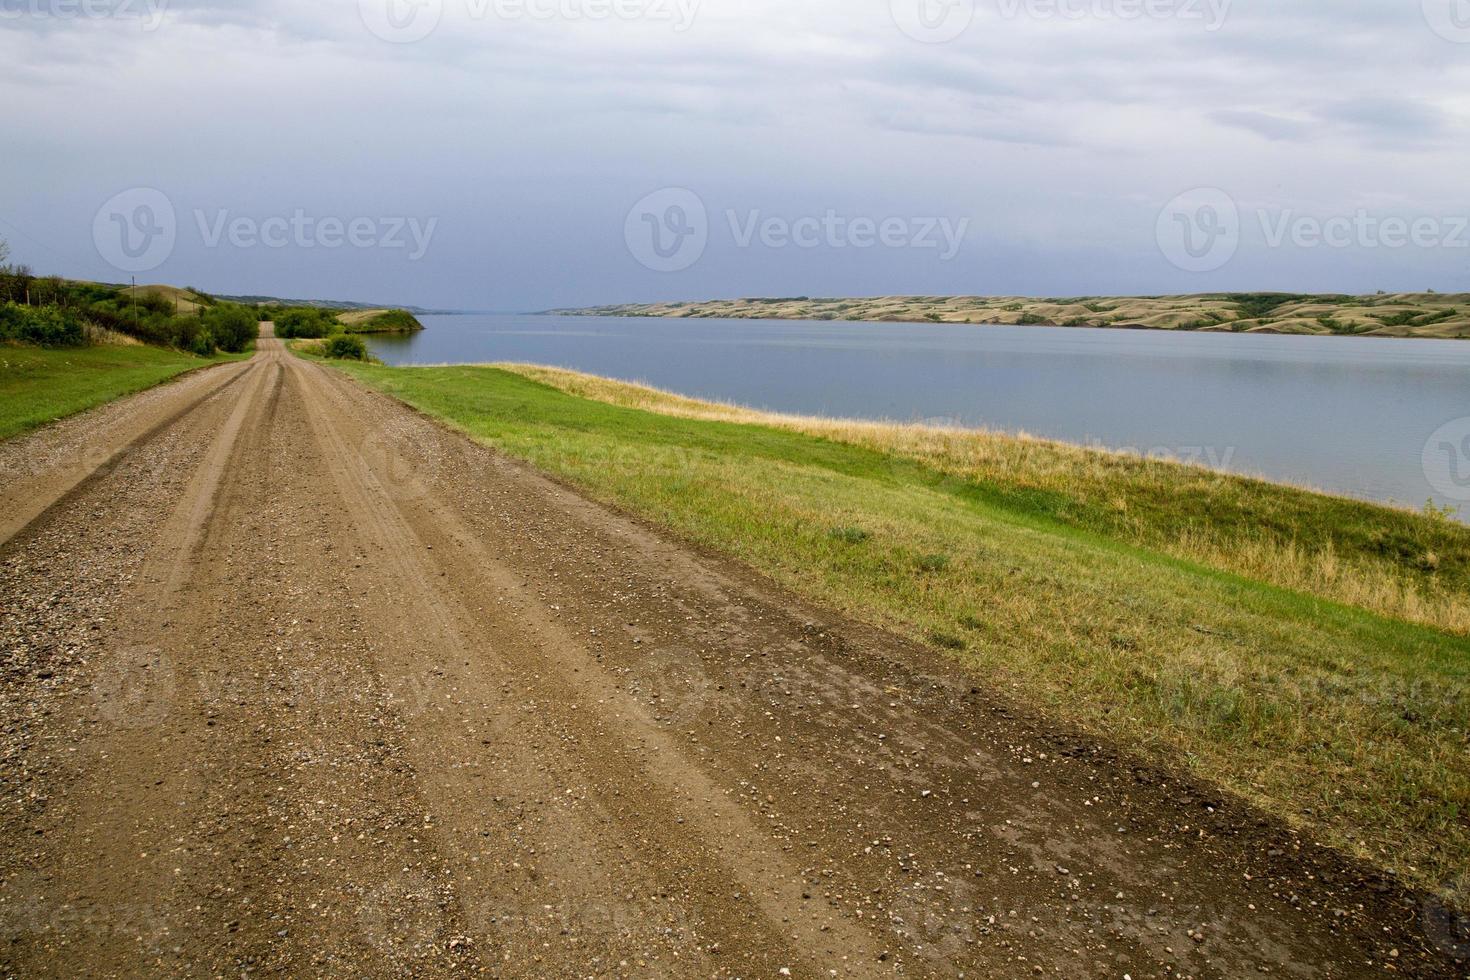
(529, 140)
(1267, 125)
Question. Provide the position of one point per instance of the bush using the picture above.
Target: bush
(233, 327)
(345, 348)
(389, 321)
(151, 319)
(307, 322)
(48, 326)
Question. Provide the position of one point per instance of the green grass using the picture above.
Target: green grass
(1349, 723)
(41, 385)
(379, 321)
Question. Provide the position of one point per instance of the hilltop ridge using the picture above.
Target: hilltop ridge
(1435, 315)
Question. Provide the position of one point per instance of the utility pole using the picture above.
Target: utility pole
(133, 297)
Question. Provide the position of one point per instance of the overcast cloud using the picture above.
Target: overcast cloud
(312, 148)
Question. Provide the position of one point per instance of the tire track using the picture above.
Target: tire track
(703, 840)
(125, 828)
(377, 702)
(29, 498)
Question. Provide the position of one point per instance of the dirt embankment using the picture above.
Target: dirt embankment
(296, 682)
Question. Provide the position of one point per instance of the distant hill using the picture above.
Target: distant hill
(186, 296)
(184, 300)
(329, 304)
(1437, 315)
(355, 317)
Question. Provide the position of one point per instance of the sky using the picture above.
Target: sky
(520, 155)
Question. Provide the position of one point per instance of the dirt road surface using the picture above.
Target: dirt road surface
(300, 683)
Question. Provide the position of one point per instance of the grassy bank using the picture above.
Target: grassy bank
(1116, 594)
(39, 385)
(379, 321)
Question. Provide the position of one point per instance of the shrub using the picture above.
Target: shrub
(48, 326)
(389, 321)
(309, 322)
(233, 327)
(345, 348)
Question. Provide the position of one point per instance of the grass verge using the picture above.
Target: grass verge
(40, 385)
(1350, 723)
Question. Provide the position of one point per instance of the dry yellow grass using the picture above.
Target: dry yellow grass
(1437, 315)
(1185, 511)
(353, 318)
(1041, 574)
(184, 300)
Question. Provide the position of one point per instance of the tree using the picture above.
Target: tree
(232, 327)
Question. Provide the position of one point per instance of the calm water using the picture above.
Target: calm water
(1350, 415)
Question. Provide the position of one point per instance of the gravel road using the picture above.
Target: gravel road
(297, 682)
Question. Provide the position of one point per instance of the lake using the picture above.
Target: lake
(1350, 415)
